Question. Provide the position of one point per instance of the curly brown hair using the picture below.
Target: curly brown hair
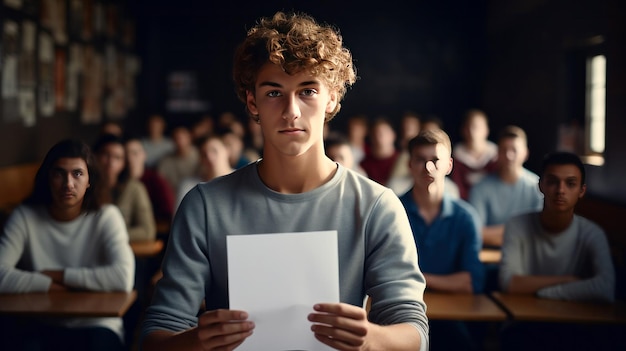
(297, 43)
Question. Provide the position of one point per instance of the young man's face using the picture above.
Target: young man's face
(213, 152)
(476, 129)
(561, 186)
(111, 158)
(429, 164)
(512, 152)
(291, 110)
(383, 135)
(135, 153)
(69, 180)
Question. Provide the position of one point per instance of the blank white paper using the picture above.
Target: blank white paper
(277, 278)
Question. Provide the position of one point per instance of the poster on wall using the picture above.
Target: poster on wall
(46, 75)
(88, 15)
(59, 79)
(26, 76)
(10, 59)
(30, 7)
(132, 67)
(53, 18)
(16, 4)
(92, 84)
(75, 22)
(74, 69)
(99, 18)
(111, 19)
(114, 104)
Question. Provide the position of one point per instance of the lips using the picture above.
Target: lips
(291, 130)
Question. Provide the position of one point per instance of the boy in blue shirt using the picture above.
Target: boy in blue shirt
(446, 231)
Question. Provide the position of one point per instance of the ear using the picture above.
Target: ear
(541, 185)
(583, 190)
(450, 165)
(332, 102)
(251, 103)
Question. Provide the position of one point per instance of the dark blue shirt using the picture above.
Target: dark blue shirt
(451, 243)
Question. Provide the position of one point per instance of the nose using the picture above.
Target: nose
(68, 181)
(430, 166)
(292, 110)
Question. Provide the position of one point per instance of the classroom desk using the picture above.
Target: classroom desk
(490, 256)
(531, 308)
(147, 248)
(67, 304)
(466, 307)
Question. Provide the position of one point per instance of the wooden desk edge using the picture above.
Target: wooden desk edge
(147, 248)
(131, 297)
(620, 305)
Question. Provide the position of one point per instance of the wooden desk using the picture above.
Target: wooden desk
(490, 256)
(146, 248)
(67, 304)
(466, 307)
(531, 308)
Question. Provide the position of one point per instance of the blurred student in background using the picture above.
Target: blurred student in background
(128, 194)
(159, 190)
(475, 156)
(446, 231)
(214, 162)
(157, 143)
(338, 149)
(183, 161)
(510, 191)
(382, 155)
(64, 237)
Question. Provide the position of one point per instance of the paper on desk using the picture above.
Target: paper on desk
(277, 278)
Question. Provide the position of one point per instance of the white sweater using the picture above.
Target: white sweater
(92, 250)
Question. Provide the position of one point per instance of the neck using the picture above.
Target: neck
(429, 203)
(296, 174)
(477, 146)
(556, 222)
(137, 172)
(510, 175)
(64, 214)
(383, 151)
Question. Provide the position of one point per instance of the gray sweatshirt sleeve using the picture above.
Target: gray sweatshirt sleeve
(12, 242)
(396, 284)
(512, 252)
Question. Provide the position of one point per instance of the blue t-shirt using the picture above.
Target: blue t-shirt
(451, 243)
(496, 202)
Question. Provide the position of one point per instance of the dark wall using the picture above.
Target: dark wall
(533, 49)
(422, 55)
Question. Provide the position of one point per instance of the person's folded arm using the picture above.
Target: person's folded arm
(459, 282)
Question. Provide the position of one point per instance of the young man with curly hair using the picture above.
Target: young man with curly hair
(292, 73)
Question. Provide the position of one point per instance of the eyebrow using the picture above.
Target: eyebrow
(278, 85)
(57, 169)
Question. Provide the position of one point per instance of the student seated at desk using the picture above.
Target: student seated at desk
(509, 191)
(61, 238)
(554, 253)
(446, 231)
(128, 194)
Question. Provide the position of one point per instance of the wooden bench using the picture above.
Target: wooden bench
(610, 216)
(16, 183)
